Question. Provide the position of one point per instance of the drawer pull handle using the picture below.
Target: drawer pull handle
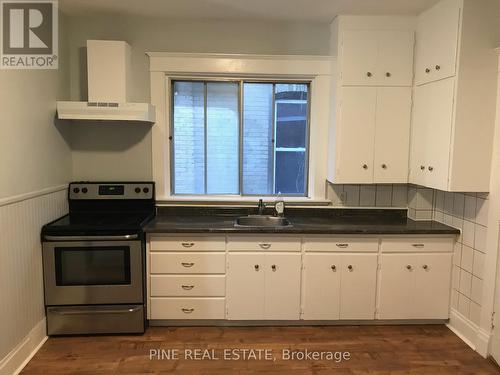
(334, 268)
(418, 245)
(188, 244)
(187, 287)
(408, 267)
(187, 264)
(342, 245)
(265, 245)
(187, 311)
(256, 267)
(350, 268)
(273, 267)
(425, 267)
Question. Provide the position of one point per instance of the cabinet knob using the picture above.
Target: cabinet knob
(273, 267)
(187, 311)
(333, 267)
(422, 167)
(187, 287)
(438, 67)
(427, 70)
(187, 264)
(369, 74)
(342, 245)
(431, 169)
(349, 267)
(365, 166)
(188, 244)
(408, 267)
(265, 246)
(425, 266)
(256, 267)
(384, 166)
(388, 74)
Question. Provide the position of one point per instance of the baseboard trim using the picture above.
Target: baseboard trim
(463, 328)
(483, 342)
(19, 357)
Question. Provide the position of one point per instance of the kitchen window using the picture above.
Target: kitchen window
(239, 138)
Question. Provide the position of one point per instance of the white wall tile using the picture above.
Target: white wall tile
(439, 216)
(468, 233)
(448, 202)
(412, 197)
(352, 195)
(458, 205)
(383, 196)
(454, 299)
(423, 214)
(448, 219)
(477, 269)
(367, 196)
(464, 305)
(480, 238)
(399, 195)
(470, 208)
(425, 199)
(476, 290)
(475, 313)
(465, 283)
(467, 258)
(482, 211)
(334, 193)
(439, 200)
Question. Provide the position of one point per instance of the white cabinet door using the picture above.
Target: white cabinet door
(395, 58)
(356, 135)
(433, 284)
(282, 287)
(359, 57)
(397, 286)
(321, 298)
(419, 148)
(440, 111)
(392, 135)
(437, 42)
(358, 286)
(245, 286)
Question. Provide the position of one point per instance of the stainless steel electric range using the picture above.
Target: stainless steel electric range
(94, 259)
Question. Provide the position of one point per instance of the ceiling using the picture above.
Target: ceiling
(283, 10)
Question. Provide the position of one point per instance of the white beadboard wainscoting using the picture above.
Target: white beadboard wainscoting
(22, 316)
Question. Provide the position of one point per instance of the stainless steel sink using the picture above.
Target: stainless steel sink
(262, 221)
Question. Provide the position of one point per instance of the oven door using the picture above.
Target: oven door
(90, 272)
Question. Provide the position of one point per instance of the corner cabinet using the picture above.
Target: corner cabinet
(454, 99)
(370, 129)
(261, 277)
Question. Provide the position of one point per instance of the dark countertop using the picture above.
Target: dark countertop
(304, 221)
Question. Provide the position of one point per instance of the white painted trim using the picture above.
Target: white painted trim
(483, 342)
(19, 357)
(497, 50)
(463, 328)
(22, 197)
(316, 69)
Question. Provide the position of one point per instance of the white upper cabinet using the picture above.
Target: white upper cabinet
(436, 47)
(454, 105)
(377, 58)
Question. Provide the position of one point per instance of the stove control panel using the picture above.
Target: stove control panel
(111, 190)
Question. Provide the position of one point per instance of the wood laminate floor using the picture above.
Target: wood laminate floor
(424, 349)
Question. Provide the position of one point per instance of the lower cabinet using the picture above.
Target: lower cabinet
(263, 286)
(339, 286)
(415, 286)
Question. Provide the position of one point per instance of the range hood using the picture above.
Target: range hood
(108, 73)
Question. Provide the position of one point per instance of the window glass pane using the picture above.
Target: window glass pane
(291, 105)
(222, 138)
(189, 138)
(258, 132)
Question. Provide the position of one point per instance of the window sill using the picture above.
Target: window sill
(237, 201)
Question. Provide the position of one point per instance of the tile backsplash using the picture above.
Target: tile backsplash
(465, 211)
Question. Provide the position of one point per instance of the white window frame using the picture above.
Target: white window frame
(165, 66)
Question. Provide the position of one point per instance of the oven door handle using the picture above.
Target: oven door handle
(69, 311)
(92, 238)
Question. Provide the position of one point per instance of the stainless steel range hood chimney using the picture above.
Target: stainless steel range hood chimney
(108, 72)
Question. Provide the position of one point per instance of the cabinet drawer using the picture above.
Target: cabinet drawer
(417, 244)
(183, 286)
(260, 243)
(188, 263)
(188, 243)
(331, 244)
(187, 308)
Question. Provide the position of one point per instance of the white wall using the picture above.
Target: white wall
(127, 152)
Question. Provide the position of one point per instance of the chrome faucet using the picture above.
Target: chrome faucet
(261, 207)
